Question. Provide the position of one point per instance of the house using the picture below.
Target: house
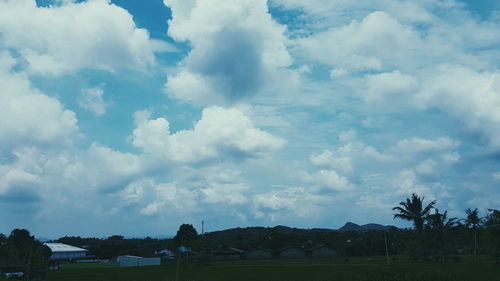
(258, 253)
(184, 249)
(62, 251)
(321, 251)
(165, 253)
(227, 254)
(137, 261)
(186, 255)
(292, 252)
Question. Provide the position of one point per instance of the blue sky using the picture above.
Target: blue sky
(133, 117)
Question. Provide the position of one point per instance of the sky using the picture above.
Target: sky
(133, 117)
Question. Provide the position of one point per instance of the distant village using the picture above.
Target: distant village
(62, 254)
(187, 247)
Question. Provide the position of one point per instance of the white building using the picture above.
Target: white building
(65, 252)
(137, 261)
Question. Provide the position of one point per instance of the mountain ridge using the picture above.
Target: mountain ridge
(348, 226)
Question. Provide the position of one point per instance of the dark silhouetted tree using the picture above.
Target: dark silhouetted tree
(413, 210)
(492, 224)
(440, 221)
(33, 254)
(186, 235)
(439, 234)
(474, 222)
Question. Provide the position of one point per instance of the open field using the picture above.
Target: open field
(363, 269)
(91, 265)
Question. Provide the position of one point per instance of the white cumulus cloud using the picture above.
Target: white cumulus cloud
(290, 199)
(468, 95)
(390, 85)
(378, 41)
(28, 116)
(219, 134)
(65, 38)
(92, 100)
(328, 180)
(416, 145)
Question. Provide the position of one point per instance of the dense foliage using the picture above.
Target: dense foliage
(20, 251)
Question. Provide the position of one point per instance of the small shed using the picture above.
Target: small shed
(259, 253)
(292, 252)
(321, 251)
(62, 251)
(137, 261)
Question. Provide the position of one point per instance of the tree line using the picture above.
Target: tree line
(434, 237)
(439, 237)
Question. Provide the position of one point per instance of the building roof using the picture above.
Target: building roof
(129, 256)
(165, 251)
(290, 247)
(228, 251)
(259, 249)
(236, 250)
(319, 247)
(60, 247)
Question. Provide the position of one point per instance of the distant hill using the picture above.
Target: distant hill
(281, 236)
(322, 230)
(374, 226)
(350, 226)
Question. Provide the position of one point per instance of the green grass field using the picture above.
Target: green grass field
(363, 269)
(91, 265)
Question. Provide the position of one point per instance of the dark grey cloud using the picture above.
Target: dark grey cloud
(237, 52)
(233, 61)
(19, 195)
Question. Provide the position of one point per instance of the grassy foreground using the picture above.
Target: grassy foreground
(363, 269)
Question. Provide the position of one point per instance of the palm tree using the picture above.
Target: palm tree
(412, 210)
(439, 234)
(438, 221)
(473, 221)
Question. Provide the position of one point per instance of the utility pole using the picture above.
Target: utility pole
(178, 259)
(386, 248)
(202, 228)
(30, 256)
(475, 245)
